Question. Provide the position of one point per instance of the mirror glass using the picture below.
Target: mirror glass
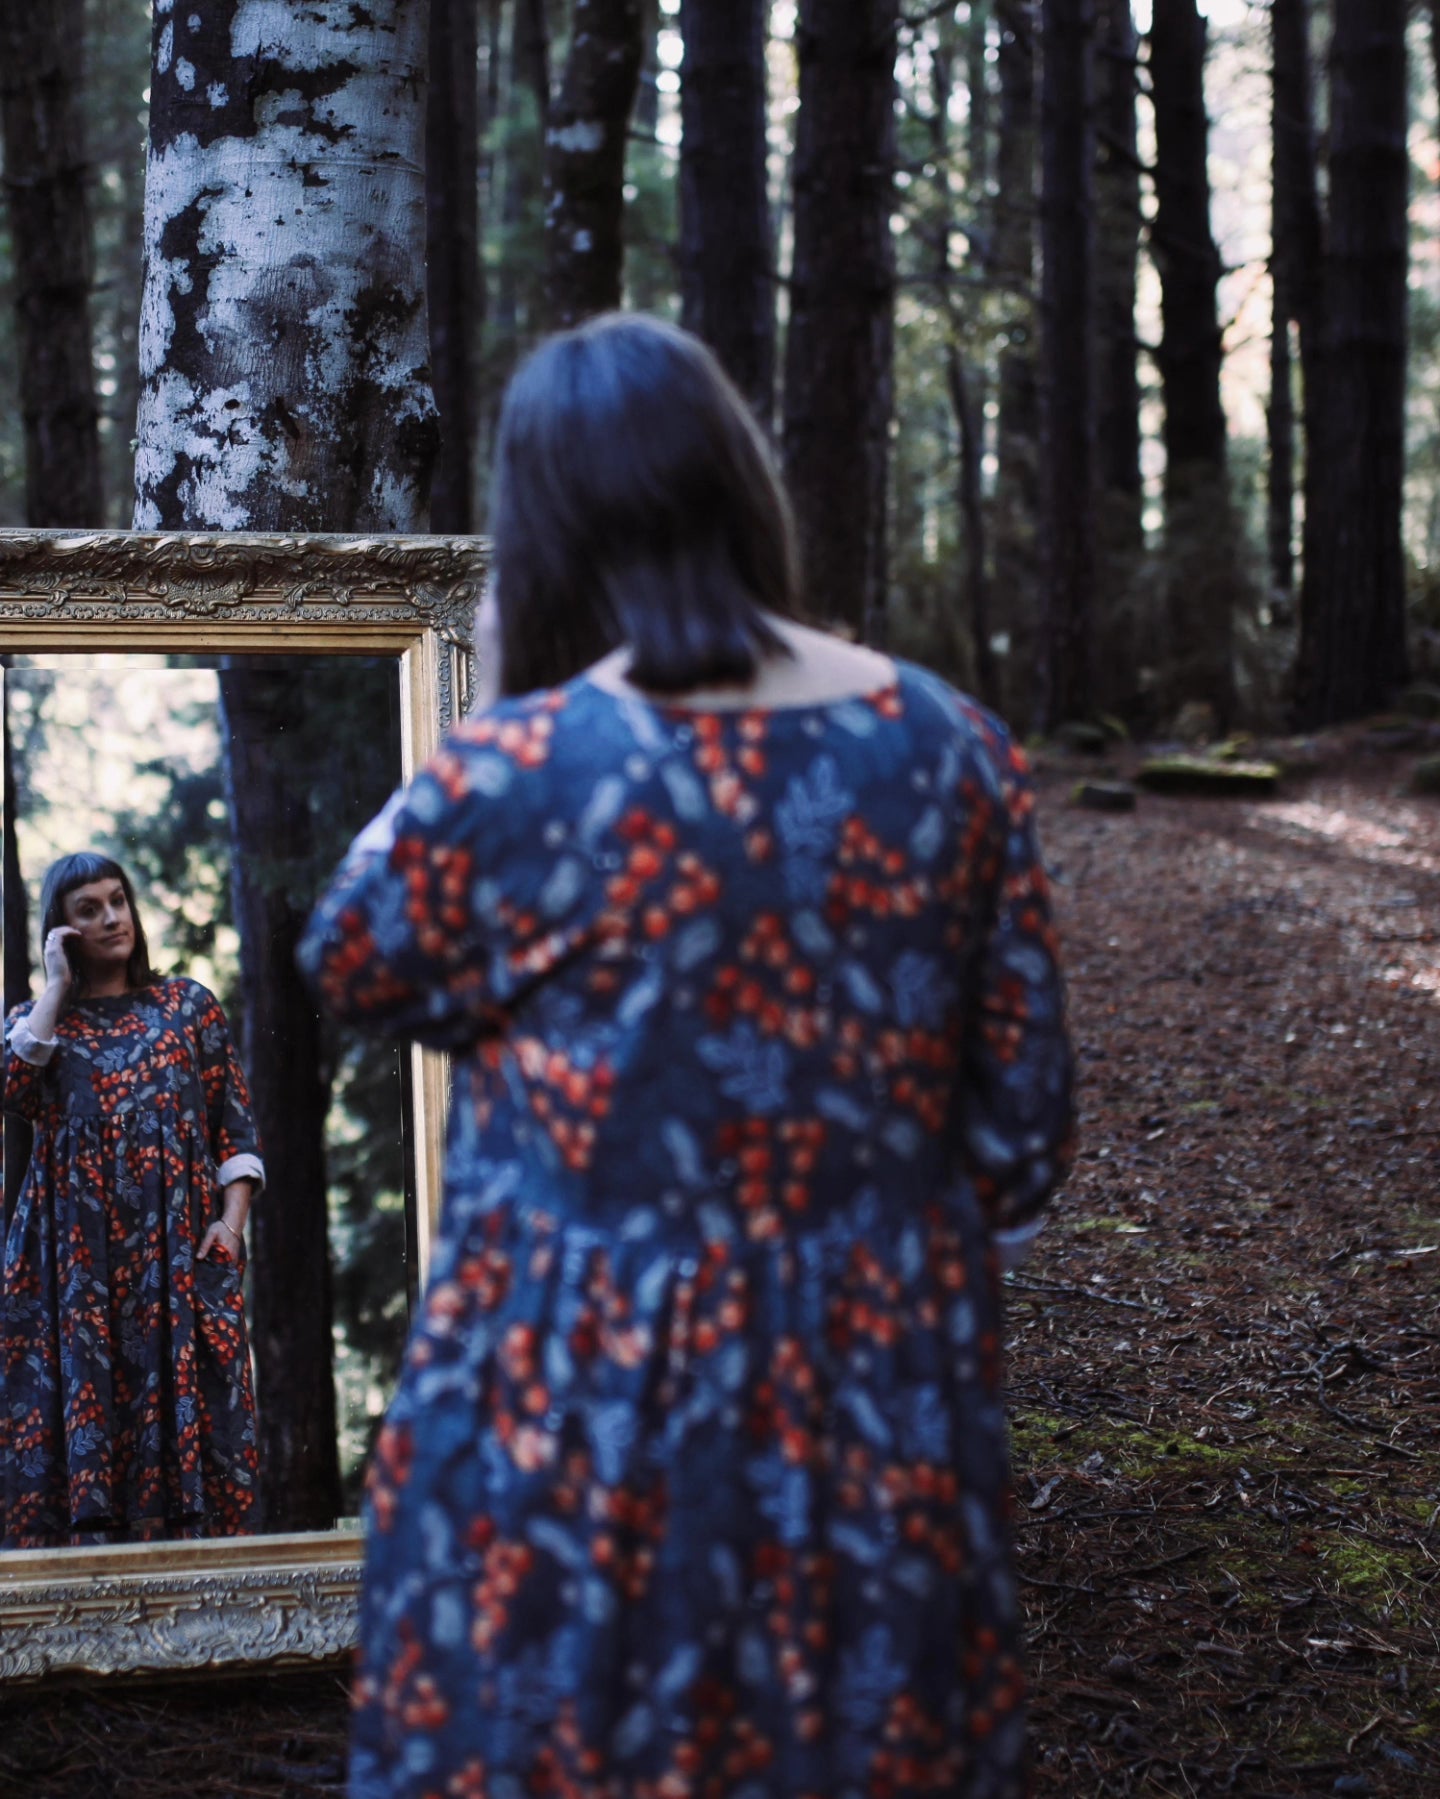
(147, 1396)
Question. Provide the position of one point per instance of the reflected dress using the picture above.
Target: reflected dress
(127, 1412)
(695, 1481)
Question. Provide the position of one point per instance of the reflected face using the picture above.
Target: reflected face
(101, 913)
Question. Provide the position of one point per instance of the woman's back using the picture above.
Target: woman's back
(761, 1034)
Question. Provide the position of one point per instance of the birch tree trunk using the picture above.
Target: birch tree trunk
(839, 354)
(284, 351)
(41, 46)
(1352, 608)
(585, 145)
(285, 387)
(727, 258)
(455, 289)
(1199, 523)
(1067, 362)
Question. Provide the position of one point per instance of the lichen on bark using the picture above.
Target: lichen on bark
(283, 338)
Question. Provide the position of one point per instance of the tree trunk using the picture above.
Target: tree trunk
(1067, 362)
(1352, 610)
(284, 352)
(1199, 523)
(1017, 439)
(1295, 266)
(41, 45)
(839, 353)
(283, 342)
(1117, 267)
(281, 1047)
(727, 273)
(585, 148)
(455, 289)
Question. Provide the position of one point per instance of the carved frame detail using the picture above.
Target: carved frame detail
(176, 1607)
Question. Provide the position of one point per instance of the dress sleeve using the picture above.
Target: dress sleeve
(234, 1139)
(26, 1057)
(411, 939)
(1018, 1107)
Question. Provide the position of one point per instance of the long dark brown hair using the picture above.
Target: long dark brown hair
(79, 870)
(636, 501)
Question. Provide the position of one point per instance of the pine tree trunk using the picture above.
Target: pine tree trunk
(291, 1298)
(283, 341)
(1295, 266)
(1200, 527)
(839, 353)
(1017, 437)
(41, 48)
(455, 289)
(1352, 610)
(727, 274)
(1067, 362)
(1117, 260)
(585, 149)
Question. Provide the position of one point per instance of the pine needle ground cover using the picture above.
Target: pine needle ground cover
(1226, 1350)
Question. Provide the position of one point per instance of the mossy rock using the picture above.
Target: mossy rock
(1082, 738)
(1204, 777)
(1105, 796)
(1421, 701)
(1425, 777)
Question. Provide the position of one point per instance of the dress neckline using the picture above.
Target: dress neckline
(681, 710)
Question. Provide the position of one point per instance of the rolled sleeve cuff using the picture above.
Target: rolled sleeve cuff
(29, 1047)
(243, 1167)
(1013, 1244)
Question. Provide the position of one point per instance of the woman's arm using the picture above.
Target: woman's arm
(229, 1227)
(1017, 1104)
(30, 1035)
(234, 1139)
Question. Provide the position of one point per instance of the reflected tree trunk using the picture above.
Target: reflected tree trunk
(727, 258)
(282, 1050)
(839, 351)
(585, 147)
(1117, 269)
(41, 50)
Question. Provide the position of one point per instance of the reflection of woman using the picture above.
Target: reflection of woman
(127, 1411)
(695, 1482)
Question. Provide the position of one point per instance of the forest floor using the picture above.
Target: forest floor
(1226, 1349)
(1225, 1363)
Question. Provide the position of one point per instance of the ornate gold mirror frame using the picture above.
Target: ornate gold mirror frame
(182, 1606)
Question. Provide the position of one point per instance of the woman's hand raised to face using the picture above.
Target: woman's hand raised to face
(57, 964)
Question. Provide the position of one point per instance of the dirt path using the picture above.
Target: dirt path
(1226, 1362)
(1227, 1348)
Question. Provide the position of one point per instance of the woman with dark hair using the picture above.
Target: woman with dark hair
(127, 1411)
(695, 1480)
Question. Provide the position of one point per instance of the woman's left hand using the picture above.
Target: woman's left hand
(222, 1233)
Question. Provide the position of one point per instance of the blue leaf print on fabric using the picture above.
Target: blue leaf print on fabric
(756, 1071)
(604, 807)
(869, 1677)
(613, 1429)
(810, 815)
(921, 991)
(927, 836)
(562, 887)
(925, 1424)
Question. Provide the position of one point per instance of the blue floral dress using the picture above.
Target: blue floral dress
(126, 1411)
(695, 1483)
